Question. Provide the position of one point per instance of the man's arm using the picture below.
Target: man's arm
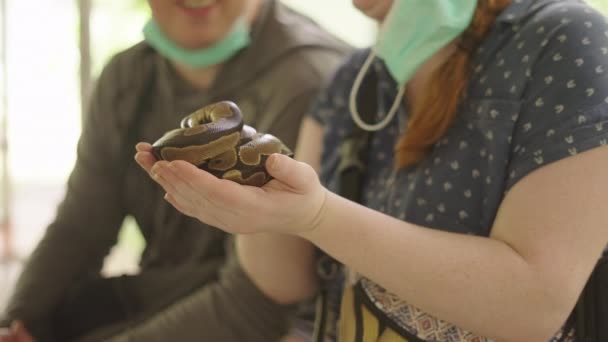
(86, 223)
(229, 310)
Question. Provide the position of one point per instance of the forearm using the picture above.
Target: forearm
(480, 284)
(281, 266)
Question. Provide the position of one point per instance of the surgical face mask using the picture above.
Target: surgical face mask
(237, 39)
(412, 32)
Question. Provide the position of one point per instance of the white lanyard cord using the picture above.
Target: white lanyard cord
(354, 111)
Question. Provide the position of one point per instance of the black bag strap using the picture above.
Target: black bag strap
(585, 319)
(352, 172)
(591, 312)
(355, 147)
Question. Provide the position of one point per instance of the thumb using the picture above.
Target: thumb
(297, 175)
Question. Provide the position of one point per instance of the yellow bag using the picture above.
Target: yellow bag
(358, 324)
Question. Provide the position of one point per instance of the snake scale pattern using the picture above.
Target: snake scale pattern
(215, 139)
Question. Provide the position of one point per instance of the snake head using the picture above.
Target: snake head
(224, 110)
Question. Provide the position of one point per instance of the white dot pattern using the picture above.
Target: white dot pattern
(538, 94)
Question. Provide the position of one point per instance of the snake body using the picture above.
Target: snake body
(215, 139)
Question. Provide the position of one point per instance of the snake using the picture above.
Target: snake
(214, 138)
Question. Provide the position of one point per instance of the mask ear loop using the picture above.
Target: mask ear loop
(354, 111)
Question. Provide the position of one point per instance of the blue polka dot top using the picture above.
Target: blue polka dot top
(538, 93)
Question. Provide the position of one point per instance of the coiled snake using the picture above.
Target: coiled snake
(215, 139)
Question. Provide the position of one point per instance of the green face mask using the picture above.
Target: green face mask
(237, 39)
(412, 32)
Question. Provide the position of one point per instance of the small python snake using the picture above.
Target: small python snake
(215, 139)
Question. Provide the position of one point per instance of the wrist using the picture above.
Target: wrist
(313, 231)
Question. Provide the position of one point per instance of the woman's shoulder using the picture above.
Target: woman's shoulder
(564, 16)
(556, 10)
(557, 66)
(540, 41)
(536, 26)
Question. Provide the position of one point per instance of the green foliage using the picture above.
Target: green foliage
(115, 25)
(602, 5)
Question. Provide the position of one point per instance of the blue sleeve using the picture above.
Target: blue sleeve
(565, 105)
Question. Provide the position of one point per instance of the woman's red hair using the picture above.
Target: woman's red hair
(433, 111)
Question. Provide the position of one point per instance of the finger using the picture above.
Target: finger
(190, 173)
(146, 160)
(190, 198)
(205, 216)
(221, 194)
(297, 175)
(161, 174)
(143, 147)
(174, 182)
(198, 181)
(179, 206)
(203, 190)
(219, 202)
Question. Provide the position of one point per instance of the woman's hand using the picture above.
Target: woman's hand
(292, 202)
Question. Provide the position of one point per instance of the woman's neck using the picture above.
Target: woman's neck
(424, 73)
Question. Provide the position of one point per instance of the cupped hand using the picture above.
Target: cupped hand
(291, 203)
(16, 333)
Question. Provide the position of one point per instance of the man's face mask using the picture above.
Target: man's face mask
(236, 40)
